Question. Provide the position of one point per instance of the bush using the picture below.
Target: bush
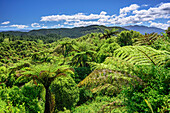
(32, 92)
(85, 95)
(155, 90)
(8, 108)
(66, 92)
(81, 73)
(21, 100)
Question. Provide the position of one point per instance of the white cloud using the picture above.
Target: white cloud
(168, 22)
(161, 11)
(133, 14)
(159, 25)
(57, 26)
(103, 13)
(7, 22)
(140, 23)
(132, 7)
(127, 15)
(137, 16)
(35, 25)
(75, 17)
(19, 26)
(44, 27)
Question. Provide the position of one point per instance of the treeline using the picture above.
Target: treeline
(52, 35)
(49, 38)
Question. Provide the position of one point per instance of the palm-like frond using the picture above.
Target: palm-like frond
(46, 73)
(146, 39)
(142, 55)
(107, 80)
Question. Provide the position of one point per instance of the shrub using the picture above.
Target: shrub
(66, 92)
(32, 92)
(21, 100)
(85, 95)
(81, 73)
(155, 90)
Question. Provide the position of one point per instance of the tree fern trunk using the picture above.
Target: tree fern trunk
(47, 101)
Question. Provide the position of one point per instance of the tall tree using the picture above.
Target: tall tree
(85, 52)
(126, 37)
(46, 74)
(108, 33)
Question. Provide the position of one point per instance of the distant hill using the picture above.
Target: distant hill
(144, 29)
(65, 32)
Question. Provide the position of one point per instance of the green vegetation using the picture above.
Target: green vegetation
(101, 71)
(52, 35)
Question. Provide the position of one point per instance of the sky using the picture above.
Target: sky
(40, 14)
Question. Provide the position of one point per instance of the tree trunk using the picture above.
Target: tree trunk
(47, 101)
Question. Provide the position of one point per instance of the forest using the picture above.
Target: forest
(103, 72)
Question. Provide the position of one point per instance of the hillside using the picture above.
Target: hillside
(64, 32)
(144, 29)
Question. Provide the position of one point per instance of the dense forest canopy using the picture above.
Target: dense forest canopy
(96, 70)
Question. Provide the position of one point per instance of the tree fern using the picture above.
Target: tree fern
(107, 81)
(141, 55)
(146, 39)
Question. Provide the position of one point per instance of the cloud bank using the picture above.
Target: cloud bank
(132, 14)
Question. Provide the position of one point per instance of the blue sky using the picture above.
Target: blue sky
(37, 14)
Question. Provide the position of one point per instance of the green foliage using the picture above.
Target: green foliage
(168, 32)
(34, 75)
(106, 50)
(66, 92)
(107, 82)
(8, 108)
(155, 90)
(162, 43)
(146, 39)
(85, 53)
(32, 92)
(126, 37)
(108, 33)
(97, 104)
(81, 73)
(51, 35)
(19, 99)
(85, 95)
(142, 55)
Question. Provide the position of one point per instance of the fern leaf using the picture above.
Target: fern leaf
(142, 55)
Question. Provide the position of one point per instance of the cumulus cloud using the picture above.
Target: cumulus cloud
(44, 27)
(132, 7)
(86, 23)
(35, 25)
(103, 13)
(133, 14)
(161, 11)
(159, 25)
(75, 17)
(19, 26)
(57, 26)
(7, 22)
(137, 16)
(140, 23)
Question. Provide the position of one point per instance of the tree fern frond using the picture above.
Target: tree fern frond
(107, 79)
(142, 55)
(146, 39)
